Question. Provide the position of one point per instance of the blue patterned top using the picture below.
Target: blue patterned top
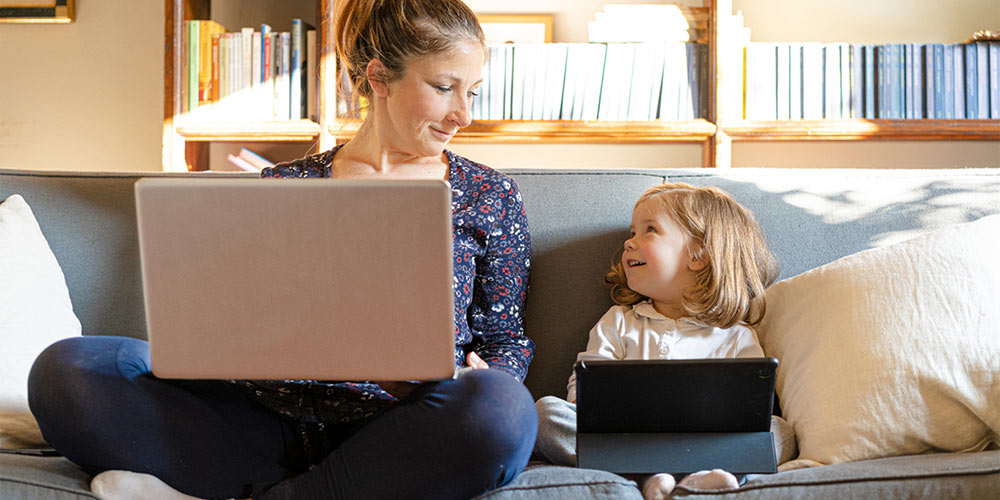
(492, 250)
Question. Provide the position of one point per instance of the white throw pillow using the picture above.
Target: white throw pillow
(892, 351)
(35, 311)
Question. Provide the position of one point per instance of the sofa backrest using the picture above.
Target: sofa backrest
(578, 220)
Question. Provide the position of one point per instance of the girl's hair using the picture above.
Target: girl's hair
(730, 288)
(396, 31)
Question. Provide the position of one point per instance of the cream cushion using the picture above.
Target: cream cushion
(894, 350)
(35, 311)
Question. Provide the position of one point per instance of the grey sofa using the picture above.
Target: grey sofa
(578, 219)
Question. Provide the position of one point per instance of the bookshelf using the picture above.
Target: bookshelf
(186, 142)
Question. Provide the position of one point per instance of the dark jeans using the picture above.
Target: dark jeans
(98, 404)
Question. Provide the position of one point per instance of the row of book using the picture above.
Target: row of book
(812, 81)
(247, 75)
(594, 81)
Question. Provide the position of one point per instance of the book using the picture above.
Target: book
(845, 80)
(982, 81)
(493, 108)
(917, 67)
(595, 55)
(948, 77)
(857, 81)
(296, 67)
(310, 109)
(812, 81)
(555, 78)
(871, 79)
(908, 99)
(508, 83)
(282, 95)
(241, 163)
(971, 83)
(265, 102)
(994, 76)
(576, 65)
(795, 82)
(641, 81)
(692, 85)
(958, 77)
(928, 79)
(896, 82)
(258, 161)
(783, 72)
(193, 64)
(615, 85)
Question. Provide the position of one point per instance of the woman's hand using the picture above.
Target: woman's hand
(475, 362)
(398, 389)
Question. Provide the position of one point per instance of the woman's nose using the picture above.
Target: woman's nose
(461, 114)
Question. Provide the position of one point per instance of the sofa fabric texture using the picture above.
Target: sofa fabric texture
(578, 221)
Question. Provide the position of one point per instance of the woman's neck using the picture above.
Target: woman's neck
(368, 154)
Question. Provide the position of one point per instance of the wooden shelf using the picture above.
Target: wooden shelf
(849, 130)
(276, 131)
(566, 132)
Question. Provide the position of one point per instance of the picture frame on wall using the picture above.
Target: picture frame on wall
(516, 28)
(36, 11)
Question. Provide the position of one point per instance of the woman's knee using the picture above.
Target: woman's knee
(501, 412)
(69, 369)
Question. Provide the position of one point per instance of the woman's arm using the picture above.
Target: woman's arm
(496, 313)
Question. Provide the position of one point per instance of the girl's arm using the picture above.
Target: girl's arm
(604, 343)
(501, 287)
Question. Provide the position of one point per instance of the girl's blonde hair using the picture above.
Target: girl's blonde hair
(396, 31)
(730, 288)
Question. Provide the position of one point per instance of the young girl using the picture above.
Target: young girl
(690, 284)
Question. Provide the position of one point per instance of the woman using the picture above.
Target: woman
(418, 62)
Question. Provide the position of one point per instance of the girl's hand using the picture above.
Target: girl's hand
(475, 362)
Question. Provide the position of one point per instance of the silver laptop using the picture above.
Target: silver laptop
(297, 279)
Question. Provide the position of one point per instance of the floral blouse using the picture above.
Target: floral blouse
(491, 248)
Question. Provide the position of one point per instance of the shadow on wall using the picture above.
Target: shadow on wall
(579, 220)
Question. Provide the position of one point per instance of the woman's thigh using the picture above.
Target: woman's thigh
(98, 404)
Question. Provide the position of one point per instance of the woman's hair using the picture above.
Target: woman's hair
(730, 288)
(396, 31)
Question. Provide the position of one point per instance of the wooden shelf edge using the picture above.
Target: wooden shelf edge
(565, 132)
(276, 131)
(847, 130)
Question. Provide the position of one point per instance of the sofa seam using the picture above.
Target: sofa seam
(956, 474)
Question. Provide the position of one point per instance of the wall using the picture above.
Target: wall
(86, 95)
(89, 95)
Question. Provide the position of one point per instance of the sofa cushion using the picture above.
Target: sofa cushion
(543, 482)
(35, 311)
(42, 478)
(892, 351)
(931, 476)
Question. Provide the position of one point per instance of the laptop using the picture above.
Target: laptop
(677, 416)
(305, 279)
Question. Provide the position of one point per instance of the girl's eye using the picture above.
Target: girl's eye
(650, 229)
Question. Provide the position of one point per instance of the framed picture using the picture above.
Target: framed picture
(516, 28)
(36, 11)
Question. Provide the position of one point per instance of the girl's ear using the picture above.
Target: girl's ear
(697, 259)
(376, 73)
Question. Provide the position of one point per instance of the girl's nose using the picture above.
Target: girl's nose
(629, 245)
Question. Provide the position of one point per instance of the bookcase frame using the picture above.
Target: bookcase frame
(185, 145)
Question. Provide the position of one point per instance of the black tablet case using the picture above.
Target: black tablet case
(677, 416)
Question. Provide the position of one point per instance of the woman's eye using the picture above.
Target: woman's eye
(473, 93)
(442, 89)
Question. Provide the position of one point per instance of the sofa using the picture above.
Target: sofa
(578, 219)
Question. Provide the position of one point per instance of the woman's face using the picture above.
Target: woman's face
(427, 106)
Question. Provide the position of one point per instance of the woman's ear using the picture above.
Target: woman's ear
(376, 73)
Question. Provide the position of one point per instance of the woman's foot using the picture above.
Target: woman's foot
(715, 479)
(658, 487)
(125, 485)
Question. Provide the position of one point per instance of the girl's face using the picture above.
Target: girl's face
(656, 259)
(432, 101)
